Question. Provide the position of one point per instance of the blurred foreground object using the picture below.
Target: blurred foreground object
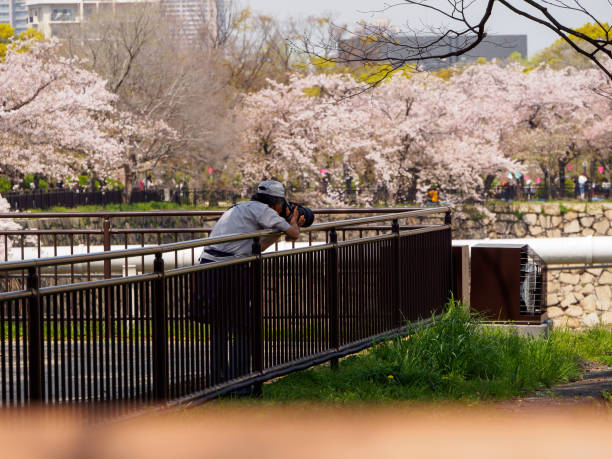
(311, 432)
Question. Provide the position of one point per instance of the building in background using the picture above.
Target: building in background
(398, 47)
(60, 18)
(14, 13)
(57, 18)
(191, 16)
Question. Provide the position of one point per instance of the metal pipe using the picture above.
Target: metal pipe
(561, 250)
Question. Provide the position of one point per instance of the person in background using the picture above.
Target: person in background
(576, 187)
(581, 185)
(433, 195)
(605, 186)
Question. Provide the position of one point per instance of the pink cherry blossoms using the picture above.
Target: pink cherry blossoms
(410, 133)
(58, 119)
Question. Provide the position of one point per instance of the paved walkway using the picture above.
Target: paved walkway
(595, 388)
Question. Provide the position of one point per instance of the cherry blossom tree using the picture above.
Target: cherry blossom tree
(417, 130)
(542, 114)
(58, 119)
(403, 135)
(55, 118)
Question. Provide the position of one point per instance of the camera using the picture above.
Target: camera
(303, 211)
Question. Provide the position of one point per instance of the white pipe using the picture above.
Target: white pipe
(182, 257)
(560, 250)
(554, 251)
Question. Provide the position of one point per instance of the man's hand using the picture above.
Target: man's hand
(295, 219)
(295, 222)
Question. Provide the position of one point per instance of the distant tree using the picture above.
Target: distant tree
(459, 130)
(560, 54)
(58, 119)
(8, 38)
(158, 75)
(6, 34)
(257, 48)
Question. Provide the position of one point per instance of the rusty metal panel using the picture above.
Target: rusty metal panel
(508, 282)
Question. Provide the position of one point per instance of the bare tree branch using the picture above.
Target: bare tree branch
(383, 44)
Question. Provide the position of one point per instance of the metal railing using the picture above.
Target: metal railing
(103, 231)
(195, 332)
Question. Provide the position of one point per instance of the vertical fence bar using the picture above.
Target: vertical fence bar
(107, 246)
(160, 332)
(257, 346)
(35, 350)
(396, 285)
(332, 279)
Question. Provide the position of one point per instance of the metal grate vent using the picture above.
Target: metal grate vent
(533, 283)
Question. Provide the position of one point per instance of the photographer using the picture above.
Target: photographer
(222, 295)
(267, 209)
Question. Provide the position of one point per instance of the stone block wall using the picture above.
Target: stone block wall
(576, 298)
(579, 298)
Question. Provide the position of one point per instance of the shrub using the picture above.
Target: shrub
(5, 184)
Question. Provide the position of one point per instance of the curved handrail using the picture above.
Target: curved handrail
(135, 252)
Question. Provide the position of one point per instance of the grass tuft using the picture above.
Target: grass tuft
(455, 358)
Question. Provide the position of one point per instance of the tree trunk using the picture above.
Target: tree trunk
(562, 165)
(547, 185)
(130, 176)
(487, 184)
(411, 192)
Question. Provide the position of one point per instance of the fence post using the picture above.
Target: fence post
(257, 346)
(107, 246)
(333, 295)
(160, 332)
(107, 275)
(448, 220)
(395, 294)
(35, 347)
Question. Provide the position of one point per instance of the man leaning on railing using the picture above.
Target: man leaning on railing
(267, 210)
(264, 211)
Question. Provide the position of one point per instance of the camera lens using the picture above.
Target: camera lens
(307, 214)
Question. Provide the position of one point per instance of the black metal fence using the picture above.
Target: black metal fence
(147, 195)
(61, 198)
(543, 192)
(198, 331)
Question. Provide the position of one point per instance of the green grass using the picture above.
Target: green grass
(456, 358)
(594, 344)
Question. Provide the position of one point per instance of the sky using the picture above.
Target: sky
(502, 20)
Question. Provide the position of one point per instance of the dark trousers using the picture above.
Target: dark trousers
(225, 296)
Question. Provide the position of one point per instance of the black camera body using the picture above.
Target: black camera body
(307, 213)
